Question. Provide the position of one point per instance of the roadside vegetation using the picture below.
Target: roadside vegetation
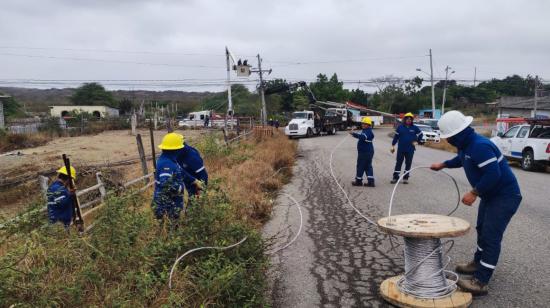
(126, 258)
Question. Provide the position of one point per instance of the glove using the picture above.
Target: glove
(415, 143)
(392, 150)
(199, 185)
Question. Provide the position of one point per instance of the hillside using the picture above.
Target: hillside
(38, 100)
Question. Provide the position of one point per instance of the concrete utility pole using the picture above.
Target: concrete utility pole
(262, 95)
(229, 101)
(445, 89)
(2, 125)
(535, 98)
(432, 82)
(475, 75)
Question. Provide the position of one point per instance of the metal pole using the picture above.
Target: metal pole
(432, 82)
(444, 90)
(535, 98)
(262, 96)
(229, 101)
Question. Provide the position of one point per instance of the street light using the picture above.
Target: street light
(447, 74)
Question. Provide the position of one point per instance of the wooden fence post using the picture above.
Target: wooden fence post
(43, 181)
(102, 190)
(134, 123)
(141, 152)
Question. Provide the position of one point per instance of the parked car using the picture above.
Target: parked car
(428, 134)
(529, 143)
(431, 123)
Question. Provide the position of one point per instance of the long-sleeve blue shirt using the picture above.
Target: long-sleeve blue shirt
(365, 139)
(486, 168)
(168, 179)
(193, 167)
(60, 203)
(405, 135)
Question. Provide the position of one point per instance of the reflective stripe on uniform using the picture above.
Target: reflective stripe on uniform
(59, 198)
(487, 265)
(479, 248)
(370, 177)
(52, 203)
(500, 158)
(165, 174)
(485, 163)
(200, 169)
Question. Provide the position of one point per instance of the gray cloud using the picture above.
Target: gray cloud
(499, 37)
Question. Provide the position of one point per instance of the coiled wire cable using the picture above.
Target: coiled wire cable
(425, 272)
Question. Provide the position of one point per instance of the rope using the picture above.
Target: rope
(299, 229)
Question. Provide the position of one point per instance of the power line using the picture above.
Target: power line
(107, 61)
(291, 63)
(115, 51)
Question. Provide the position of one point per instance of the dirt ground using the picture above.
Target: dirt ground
(109, 146)
(106, 147)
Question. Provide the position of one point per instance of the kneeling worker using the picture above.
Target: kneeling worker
(365, 152)
(168, 179)
(493, 181)
(60, 198)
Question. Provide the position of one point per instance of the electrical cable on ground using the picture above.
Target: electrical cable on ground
(299, 229)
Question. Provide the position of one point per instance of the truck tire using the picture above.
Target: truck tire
(309, 133)
(528, 161)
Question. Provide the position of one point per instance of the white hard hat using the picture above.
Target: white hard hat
(452, 123)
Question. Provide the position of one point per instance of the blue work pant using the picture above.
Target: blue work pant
(364, 165)
(493, 217)
(408, 157)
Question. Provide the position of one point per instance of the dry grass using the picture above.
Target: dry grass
(11, 142)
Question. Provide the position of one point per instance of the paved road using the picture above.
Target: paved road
(339, 260)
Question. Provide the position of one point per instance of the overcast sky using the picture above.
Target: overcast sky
(185, 39)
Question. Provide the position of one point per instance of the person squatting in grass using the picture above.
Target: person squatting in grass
(194, 171)
(406, 135)
(60, 198)
(494, 182)
(365, 153)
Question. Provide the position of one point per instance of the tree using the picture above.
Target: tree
(329, 89)
(359, 96)
(125, 106)
(11, 106)
(92, 94)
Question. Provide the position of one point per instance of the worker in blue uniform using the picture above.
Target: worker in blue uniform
(60, 198)
(167, 200)
(493, 182)
(365, 152)
(406, 136)
(195, 175)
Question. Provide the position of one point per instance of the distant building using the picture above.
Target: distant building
(522, 107)
(96, 111)
(427, 113)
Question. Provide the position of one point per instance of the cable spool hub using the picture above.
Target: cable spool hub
(425, 282)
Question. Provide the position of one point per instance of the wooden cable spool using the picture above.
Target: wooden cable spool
(423, 226)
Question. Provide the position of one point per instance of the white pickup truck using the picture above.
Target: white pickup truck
(528, 143)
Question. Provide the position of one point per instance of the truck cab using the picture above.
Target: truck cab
(527, 143)
(301, 124)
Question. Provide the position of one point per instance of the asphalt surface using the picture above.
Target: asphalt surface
(339, 259)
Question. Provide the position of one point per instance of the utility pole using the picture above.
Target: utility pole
(535, 98)
(432, 82)
(445, 89)
(262, 96)
(475, 75)
(229, 101)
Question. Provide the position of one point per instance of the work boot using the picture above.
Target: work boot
(370, 184)
(474, 286)
(393, 181)
(357, 183)
(405, 181)
(466, 268)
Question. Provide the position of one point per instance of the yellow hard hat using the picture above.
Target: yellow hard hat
(366, 120)
(172, 141)
(409, 114)
(63, 170)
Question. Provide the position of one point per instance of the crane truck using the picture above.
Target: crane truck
(317, 120)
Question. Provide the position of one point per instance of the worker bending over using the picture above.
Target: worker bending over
(493, 181)
(195, 175)
(60, 198)
(406, 136)
(167, 200)
(365, 152)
